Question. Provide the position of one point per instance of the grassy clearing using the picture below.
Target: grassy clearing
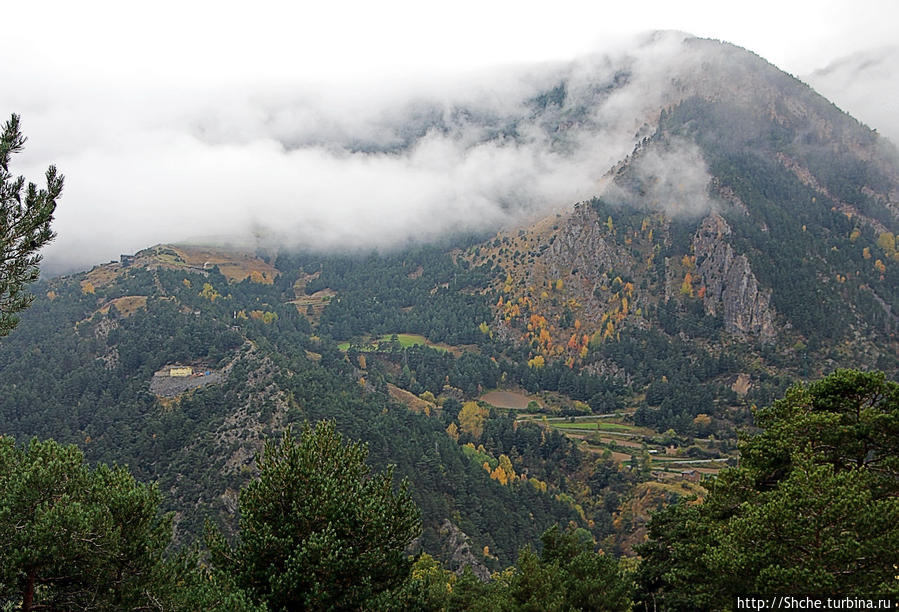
(413, 402)
(102, 275)
(598, 425)
(311, 306)
(235, 265)
(126, 305)
(582, 425)
(405, 340)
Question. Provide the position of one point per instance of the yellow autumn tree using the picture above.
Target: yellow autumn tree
(544, 338)
(887, 242)
(265, 316)
(537, 484)
(686, 287)
(453, 431)
(209, 292)
(702, 420)
(610, 329)
(505, 464)
(499, 475)
(536, 322)
(471, 419)
(537, 362)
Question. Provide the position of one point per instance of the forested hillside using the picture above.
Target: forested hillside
(745, 243)
(550, 386)
(77, 372)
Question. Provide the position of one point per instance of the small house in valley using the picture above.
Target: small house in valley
(691, 475)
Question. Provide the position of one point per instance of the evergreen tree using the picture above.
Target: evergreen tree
(76, 538)
(812, 508)
(24, 227)
(317, 530)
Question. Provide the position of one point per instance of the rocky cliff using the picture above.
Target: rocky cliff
(731, 287)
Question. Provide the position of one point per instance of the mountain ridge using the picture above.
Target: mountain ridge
(747, 240)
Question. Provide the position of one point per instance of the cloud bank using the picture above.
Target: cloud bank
(373, 165)
(866, 85)
(669, 175)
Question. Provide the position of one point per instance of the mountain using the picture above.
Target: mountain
(577, 369)
(757, 219)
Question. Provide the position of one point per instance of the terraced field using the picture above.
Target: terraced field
(627, 442)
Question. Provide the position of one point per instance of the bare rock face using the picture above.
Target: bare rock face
(458, 544)
(582, 243)
(731, 287)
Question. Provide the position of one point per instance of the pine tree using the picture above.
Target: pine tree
(24, 227)
(812, 508)
(317, 530)
(79, 538)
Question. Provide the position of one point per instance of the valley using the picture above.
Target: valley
(675, 363)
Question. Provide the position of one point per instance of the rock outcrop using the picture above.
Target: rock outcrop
(457, 546)
(731, 287)
(582, 244)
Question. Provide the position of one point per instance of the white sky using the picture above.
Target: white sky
(265, 39)
(105, 86)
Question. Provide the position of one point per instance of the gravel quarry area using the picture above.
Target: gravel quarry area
(165, 385)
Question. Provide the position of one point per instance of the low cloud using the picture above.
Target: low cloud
(866, 85)
(668, 175)
(372, 166)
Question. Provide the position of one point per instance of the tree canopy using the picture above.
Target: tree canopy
(813, 507)
(317, 529)
(73, 537)
(24, 227)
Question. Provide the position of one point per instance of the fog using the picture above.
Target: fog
(374, 164)
(866, 85)
(669, 175)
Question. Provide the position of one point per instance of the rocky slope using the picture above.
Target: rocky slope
(755, 203)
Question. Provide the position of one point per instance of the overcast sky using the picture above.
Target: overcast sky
(153, 114)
